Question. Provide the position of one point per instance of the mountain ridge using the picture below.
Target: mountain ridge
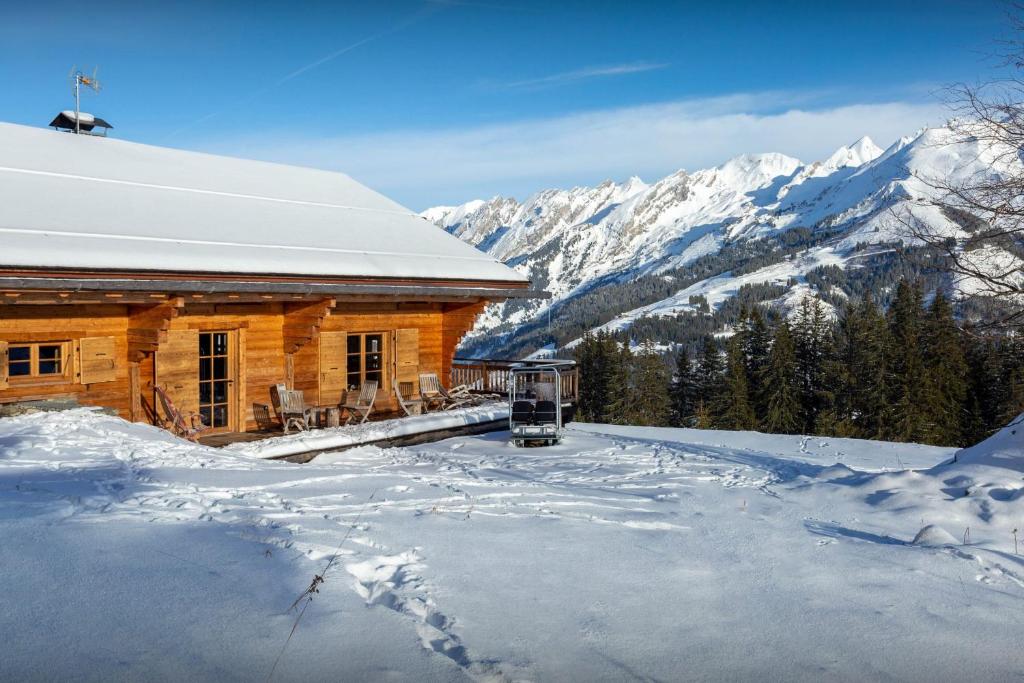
(579, 240)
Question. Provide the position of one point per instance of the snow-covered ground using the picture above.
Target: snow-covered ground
(623, 553)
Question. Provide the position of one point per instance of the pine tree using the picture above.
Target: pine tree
(587, 369)
(857, 371)
(811, 337)
(944, 407)
(985, 361)
(782, 414)
(682, 391)
(1013, 373)
(905, 375)
(735, 407)
(621, 383)
(708, 383)
(756, 341)
(702, 417)
(649, 403)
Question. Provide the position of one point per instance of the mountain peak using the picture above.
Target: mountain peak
(859, 153)
(757, 170)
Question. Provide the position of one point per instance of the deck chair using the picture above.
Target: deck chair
(431, 392)
(457, 397)
(363, 403)
(189, 428)
(290, 406)
(404, 392)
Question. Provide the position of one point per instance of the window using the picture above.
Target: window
(37, 361)
(365, 359)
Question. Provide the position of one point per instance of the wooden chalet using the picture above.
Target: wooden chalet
(124, 267)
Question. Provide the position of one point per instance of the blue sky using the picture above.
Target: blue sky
(443, 101)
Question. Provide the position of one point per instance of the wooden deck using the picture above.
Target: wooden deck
(482, 376)
(221, 440)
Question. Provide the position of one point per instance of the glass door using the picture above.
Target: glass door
(216, 380)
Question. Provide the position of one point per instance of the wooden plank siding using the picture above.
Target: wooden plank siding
(262, 333)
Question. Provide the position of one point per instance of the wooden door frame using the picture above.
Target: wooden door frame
(236, 415)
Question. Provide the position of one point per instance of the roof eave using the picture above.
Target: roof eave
(246, 286)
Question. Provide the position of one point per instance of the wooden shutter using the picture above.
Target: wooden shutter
(407, 356)
(96, 360)
(177, 369)
(333, 347)
(3, 365)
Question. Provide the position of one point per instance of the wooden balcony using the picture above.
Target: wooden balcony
(485, 375)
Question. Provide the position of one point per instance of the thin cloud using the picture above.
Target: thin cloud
(585, 74)
(414, 19)
(255, 95)
(426, 167)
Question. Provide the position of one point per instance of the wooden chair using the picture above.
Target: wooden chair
(176, 422)
(363, 403)
(434, 393)
(290, 406)
(458, 397)
(404, 392)
(431, 392)
(264, 420)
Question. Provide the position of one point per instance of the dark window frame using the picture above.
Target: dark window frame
(362, 355)
(36, 359)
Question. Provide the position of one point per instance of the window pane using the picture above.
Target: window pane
(374, 343)
(16, 353)
(220, 416)
(20, 369)
(353, 364)
(353, 343)
(373, 361)
(204, 392)
(373, 377)
(206, 414)
(220, 343)
(220, 392)
(49, 367)
(220, 368)
(204, 369)
(204, 345)
(353, 381)
(49, 352)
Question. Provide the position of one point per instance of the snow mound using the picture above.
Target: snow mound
(836, 471)
(1004, 449)
(932, 536)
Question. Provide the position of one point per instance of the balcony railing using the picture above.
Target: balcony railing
(487, 375)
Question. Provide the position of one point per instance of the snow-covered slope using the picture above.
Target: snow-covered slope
(623, 553)
(573, 240)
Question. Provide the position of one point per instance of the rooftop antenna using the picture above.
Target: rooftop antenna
(78, 78)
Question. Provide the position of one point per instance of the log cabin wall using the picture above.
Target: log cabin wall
(259, 331)
(68, 325)
(358, 318)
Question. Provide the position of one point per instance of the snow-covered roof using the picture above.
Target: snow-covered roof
(81, 202)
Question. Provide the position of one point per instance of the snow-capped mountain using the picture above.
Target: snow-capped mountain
(573, 242)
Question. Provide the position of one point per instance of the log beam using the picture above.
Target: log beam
(302, 322)
(148, 325)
